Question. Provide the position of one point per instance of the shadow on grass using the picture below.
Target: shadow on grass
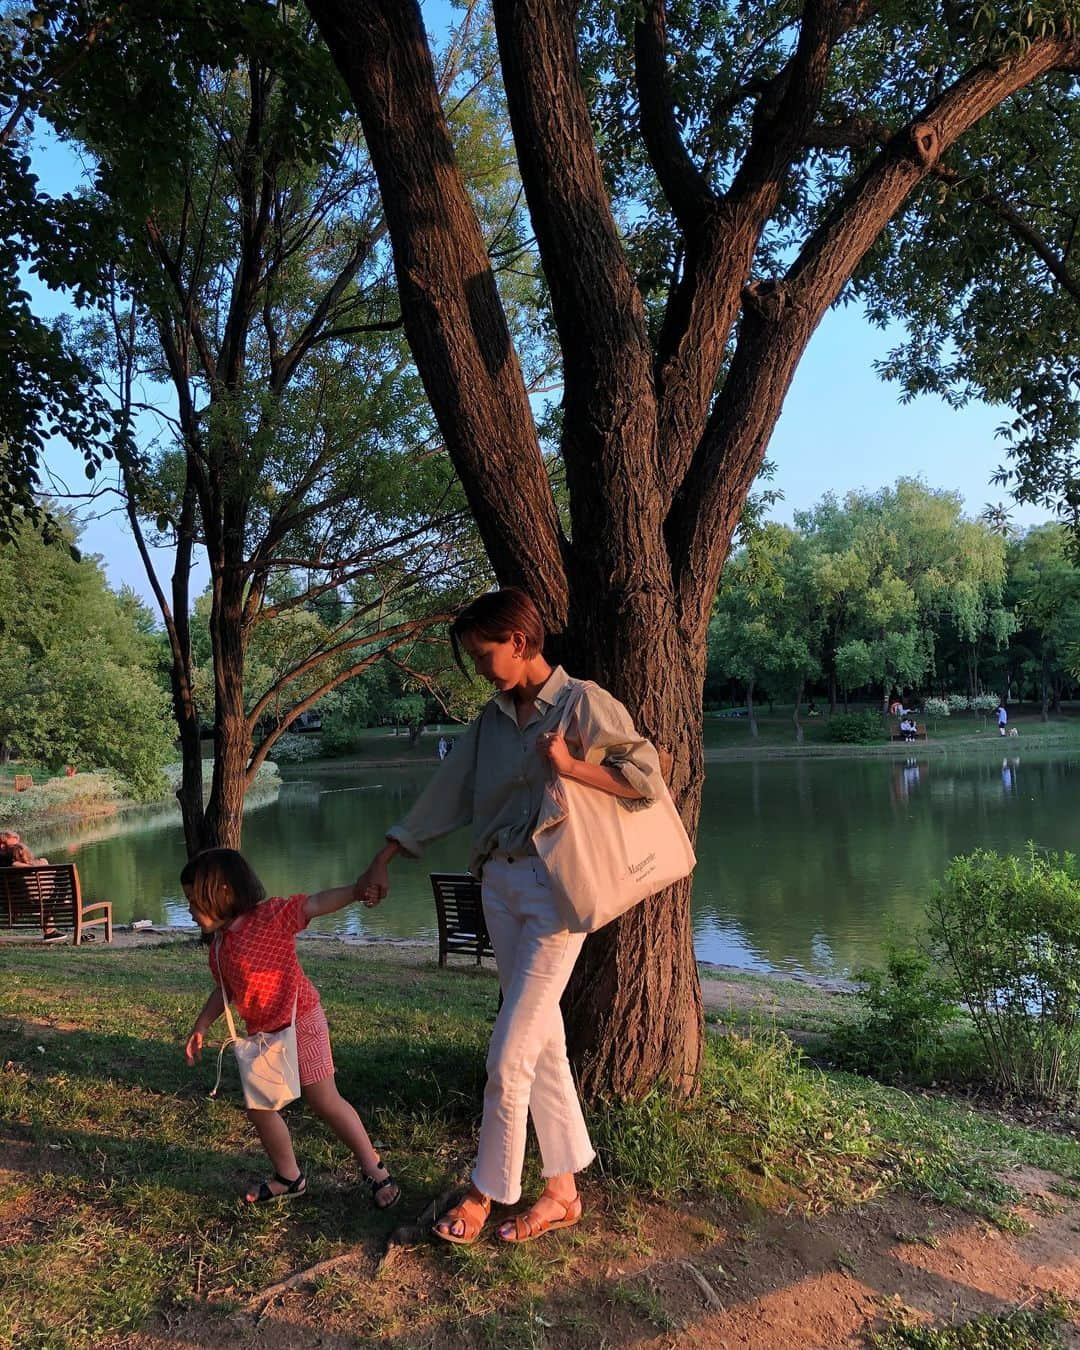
(125, 1109)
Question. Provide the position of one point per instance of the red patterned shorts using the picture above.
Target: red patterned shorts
(313, 1053)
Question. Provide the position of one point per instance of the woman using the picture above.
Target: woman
(495, 781)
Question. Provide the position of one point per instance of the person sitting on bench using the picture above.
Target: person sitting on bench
(909, 728)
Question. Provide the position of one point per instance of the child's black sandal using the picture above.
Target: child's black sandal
(377, 1186)
(293, 1189)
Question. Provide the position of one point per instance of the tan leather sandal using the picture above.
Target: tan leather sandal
(525, 1229)
(470, 1229)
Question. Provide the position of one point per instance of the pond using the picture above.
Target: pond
(804, 864)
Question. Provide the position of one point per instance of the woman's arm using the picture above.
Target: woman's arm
(211, 1011)
(553, 746)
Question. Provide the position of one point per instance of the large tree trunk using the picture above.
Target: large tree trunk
(658, 463)
(751, 715)
(634, 1006)
(799, 738)
(232, 730)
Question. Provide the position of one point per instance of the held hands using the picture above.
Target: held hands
(552, 745)
(373, 885)
(193, 1049)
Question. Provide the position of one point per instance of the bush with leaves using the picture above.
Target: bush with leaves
(861, 728)
(1007, 930)
(78, 680)
(901, 1034)
(293, 748)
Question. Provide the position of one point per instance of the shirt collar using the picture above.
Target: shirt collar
(552, 693)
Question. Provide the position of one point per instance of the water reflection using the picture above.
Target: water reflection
(803, 864)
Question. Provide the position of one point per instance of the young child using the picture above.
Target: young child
(253, 950)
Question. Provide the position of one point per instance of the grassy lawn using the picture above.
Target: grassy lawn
(118, 1176)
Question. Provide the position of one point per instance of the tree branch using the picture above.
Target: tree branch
(779, 318)
(609, 402)
(394, 636)
(1018, 226)
(453, 317)
(685, 186)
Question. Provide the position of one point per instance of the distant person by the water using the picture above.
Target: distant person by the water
(442, 748)
(1002, 718)
(253, 957)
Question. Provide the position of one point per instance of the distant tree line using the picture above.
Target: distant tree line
(895, 592)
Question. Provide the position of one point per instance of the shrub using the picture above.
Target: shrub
(937, 707)
(1008, 931)
(905, 1010)
(293, 748)
(761, 1111)
(957, 702)
(861, 728)
(83, 794)
(983, 703)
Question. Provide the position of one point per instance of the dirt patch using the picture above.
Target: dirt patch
(704, 1276)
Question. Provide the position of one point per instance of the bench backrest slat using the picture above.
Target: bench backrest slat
(49, 896)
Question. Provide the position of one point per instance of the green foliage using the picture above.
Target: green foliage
(349, 711)
(857, 728)
(77, 679)
(880, 592)
(81, 794)
(47, 389)
(293, 748)
(905, 1010)
(760, 1110)
(1007, 930)
(1020, 1329)
(1045, 589)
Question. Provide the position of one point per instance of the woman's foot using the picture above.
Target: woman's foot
(463, 1222)
(384, 1189)
(544, 1216)
(277, 1187)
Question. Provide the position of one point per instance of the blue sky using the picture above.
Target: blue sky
(842, 428)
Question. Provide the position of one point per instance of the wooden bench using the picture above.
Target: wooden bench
(50, 898)
(462, 930)
(919, 735)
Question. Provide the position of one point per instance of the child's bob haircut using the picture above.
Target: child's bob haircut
(205, 874)
(494, 616)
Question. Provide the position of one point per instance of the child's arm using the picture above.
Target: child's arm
(330, 900)
(211, 1011)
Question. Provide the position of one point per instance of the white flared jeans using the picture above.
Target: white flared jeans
(528, 1072)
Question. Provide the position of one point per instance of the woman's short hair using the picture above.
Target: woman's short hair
(494, 616)
(205, 874)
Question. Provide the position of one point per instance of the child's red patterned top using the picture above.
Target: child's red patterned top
(259, 966)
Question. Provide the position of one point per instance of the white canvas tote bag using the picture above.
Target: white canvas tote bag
(268, 1063)
(602, 858)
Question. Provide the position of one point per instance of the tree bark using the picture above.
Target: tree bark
(635, 1001)
(751, 715)
(657, 467)
(1044, 693)
(232, 729)
(799, 738)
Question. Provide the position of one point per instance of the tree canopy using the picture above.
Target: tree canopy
(78, 667)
